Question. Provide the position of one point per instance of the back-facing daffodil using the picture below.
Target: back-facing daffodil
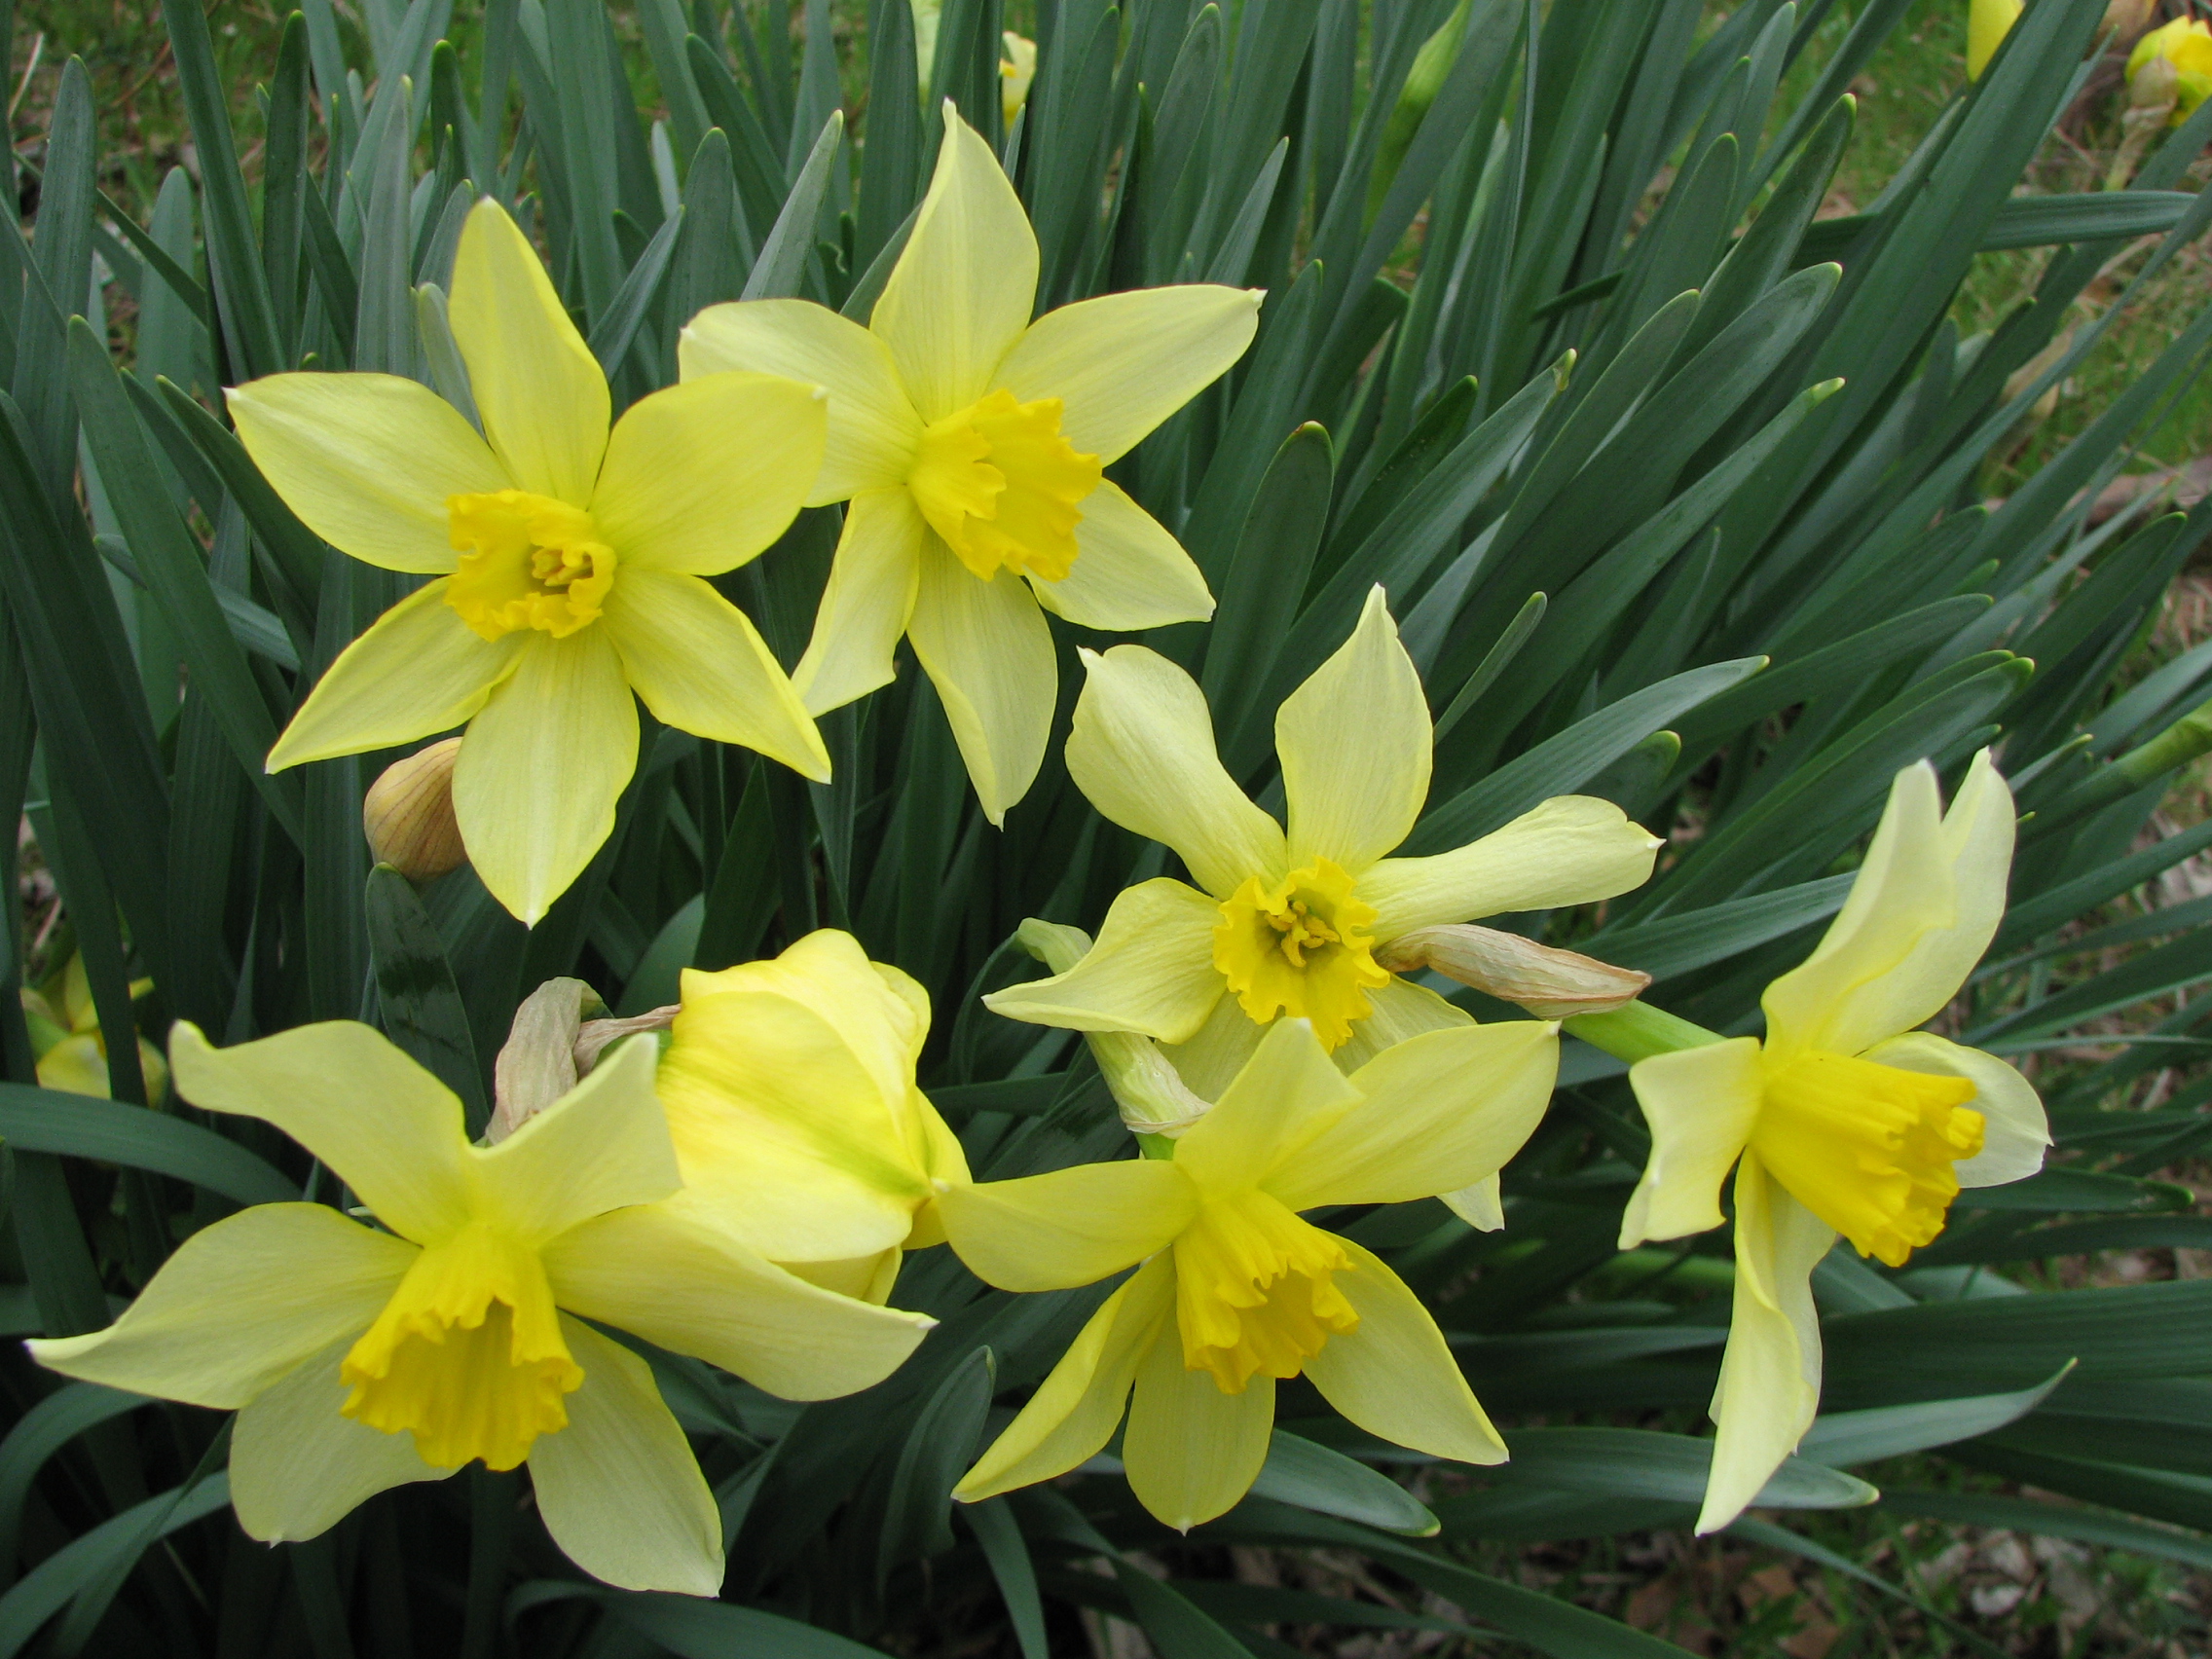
(1285, 921)
(67, 1039)
(360, 1359)
(1236, 1290)
(972, 442)
(568, 563)
(2186, 44)
(1846, 1120)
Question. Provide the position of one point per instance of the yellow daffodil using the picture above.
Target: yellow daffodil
(1287, 923)
(568, 563)
(1988, 22)
(971, 442)
(1016, 70)
(1236, 1291)
(1845, 1120)
(66, 1036)
(360, 1359)
(791, 1097)
(2186, 43)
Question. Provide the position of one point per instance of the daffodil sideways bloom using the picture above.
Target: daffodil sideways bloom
(70, 1046)
(1236, 1291)
(1845, 1120)
(791, 1095)
(567, 563)
(2186, 43)
(1285, 920)
(972, 443)
(1988, 22)
(360, 1359)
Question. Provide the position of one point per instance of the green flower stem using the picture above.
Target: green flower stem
(1155, 1146)
(1639, 1031)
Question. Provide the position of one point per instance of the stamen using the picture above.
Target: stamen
(526, 561)
(1301, 947)
(1002, 486)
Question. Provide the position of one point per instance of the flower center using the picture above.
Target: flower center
(1255, 1291)
(1869, 1148)
(1002, 486)
(526, 561)
(1301, 947)
(467, 1356)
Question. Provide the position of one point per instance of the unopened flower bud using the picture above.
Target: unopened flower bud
(537, 1064)
(1549, 983)
(2124, 18)
(408, 816)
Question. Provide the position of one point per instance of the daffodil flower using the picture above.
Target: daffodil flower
(2186, 43)
(1845, 1120)
(1288, 923)
(360, 1359)
(70, 1046)
(1236, 1290)
(1016, 70)
(971, 442)
(568, 563)
(791, 1097)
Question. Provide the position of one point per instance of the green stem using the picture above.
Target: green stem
(1639, 1031)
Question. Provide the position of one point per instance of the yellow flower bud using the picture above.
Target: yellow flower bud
(1549, 983)
(408, 816)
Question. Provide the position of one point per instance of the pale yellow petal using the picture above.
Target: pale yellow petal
(619, 1487)
(1075, 1409)
(865, 610)
(1142, 749)
(1480, 1205)
(1123, 364)
(542, 768)
(1209, 1059)
(702, 667)
(1068, 1227)
(75, 1065)
(703, 476)
(1399, 1011)
(1288, 1093)
(669, 1273)
(1437, 1113)
(961, 293)
(2015, 1130)
(1770, 1372)
(239, 1306)
(538, 389)
(384, 1125)
(367, 461)
(1567, 850)
(872, 425)
(299, 1466)
(601, 1145)
(1355, 741)
(419, 669)
(1129, 572)
(986, 649)
(1394, 1375)
(1700, 1104)
(1192, 1452)
(865, 1278)
(1151, 972)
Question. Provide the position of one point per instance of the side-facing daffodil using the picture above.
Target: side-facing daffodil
(67, 1039)
(568, 563)
(791, 1096)
(1286, 920)
(360, 1359)
(1846, 1120)
(1236, 1291)
(971, 442)
(2186, 44)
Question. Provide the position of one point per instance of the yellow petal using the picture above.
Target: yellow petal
(1142, 748)
(1192, 1452)
(703, 476)
(367, 461)
(702, 667)
(299, 1466)
(669, 1273)
(985, 647)
(1394, 1375)
(1123, 364)
(872, 426)
(1481, 1204)
(537, 385)
(619, 1487)
(1075, 1409)
(76, 1065)
(1569, 850)
(601, 1145)
(865, 608)
(1436, 1113)
(1770, 1373)
(961, 293)
(385, 1126)
(1288, 1093)
(1700, 1104)
(1209, 1059)
(542, 768)
(1399, 1012)
(1129, 572)
(1151, 972)
(417, 669)
(1354, 741)
(238, 1304)
(2015, 1131)
(1988, 22)
(1069, 1227)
